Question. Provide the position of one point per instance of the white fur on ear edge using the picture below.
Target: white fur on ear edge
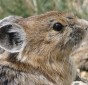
(12, 37)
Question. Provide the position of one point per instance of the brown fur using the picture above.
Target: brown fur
(45, 59)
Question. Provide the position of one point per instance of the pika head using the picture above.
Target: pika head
(45, 35)
(44, 41)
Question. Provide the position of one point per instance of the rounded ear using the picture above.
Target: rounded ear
(12, 37)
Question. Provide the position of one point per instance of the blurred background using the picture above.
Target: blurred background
(26, 8)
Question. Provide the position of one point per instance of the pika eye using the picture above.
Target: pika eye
(58, 26)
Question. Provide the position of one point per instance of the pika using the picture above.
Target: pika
(36, 50)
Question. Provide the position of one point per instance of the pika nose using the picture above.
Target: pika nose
(83, 23)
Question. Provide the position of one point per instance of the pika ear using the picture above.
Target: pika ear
(12, 37)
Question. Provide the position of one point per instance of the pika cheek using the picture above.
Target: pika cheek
(47, 39)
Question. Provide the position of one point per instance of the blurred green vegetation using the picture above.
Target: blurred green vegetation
(26, 8)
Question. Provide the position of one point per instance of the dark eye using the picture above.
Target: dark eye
(58, 26)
